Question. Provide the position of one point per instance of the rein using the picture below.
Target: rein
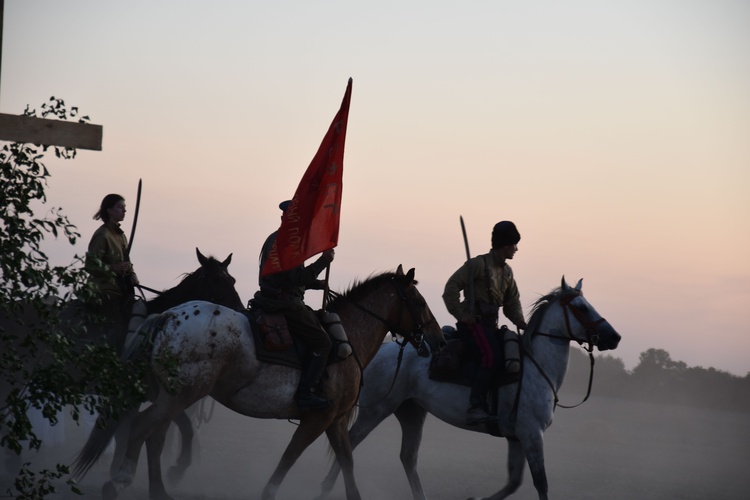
(415, 337)
(592, 337)
(144, 287)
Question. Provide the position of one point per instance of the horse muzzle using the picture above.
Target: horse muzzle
(607, 337)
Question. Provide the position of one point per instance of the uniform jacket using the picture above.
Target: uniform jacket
(106, 248)
(502, 291)
(286, 289)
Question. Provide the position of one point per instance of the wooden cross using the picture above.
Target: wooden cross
(46, 132)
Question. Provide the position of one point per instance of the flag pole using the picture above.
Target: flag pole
(325, 288)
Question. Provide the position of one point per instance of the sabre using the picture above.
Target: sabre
(470, 280)
(135, 219)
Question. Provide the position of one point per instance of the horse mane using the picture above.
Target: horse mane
(169, 295)
(358, 289)
(538, 310)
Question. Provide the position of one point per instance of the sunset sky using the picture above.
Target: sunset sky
(616, 135)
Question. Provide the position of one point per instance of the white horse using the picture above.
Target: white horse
(558, 318)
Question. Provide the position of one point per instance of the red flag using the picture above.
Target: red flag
(310, 224)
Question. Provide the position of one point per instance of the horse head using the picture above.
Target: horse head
(217, 284)
(581, 322)
(211, 282)
(415, 321)
(589, 326)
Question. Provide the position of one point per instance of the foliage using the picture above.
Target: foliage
(660, 379)
(40, 364)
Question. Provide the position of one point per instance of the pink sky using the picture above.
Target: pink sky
(614, 135)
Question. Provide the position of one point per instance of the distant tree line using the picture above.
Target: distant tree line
(658, 378)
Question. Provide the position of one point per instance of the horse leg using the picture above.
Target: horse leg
(121, 439)
(534, 450)
(151, 420)
(338, 436)
(154, 448)
(177, 471)
(310, 427)
(140, 428)
(367, 419)
(516, 464)
(411, 416)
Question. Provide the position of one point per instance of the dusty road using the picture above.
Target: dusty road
(606, 449)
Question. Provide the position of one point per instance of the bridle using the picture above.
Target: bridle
(414, 337)
(589, 327)
(592, 338)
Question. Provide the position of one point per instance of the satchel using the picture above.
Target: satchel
(446, 364)
(274, 331)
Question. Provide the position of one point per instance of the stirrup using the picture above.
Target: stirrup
(310, 401)
(476, 416)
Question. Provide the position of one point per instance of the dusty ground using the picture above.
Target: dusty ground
(606, 449)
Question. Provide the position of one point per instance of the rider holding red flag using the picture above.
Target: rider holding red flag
(284, 292)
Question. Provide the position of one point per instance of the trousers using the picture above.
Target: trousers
(304, 324)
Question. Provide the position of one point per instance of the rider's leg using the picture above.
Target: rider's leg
(483, 341)
(305, 325)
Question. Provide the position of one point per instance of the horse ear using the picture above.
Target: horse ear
(201, 258)
(227, 261)
(579, 284)
(564, 284)
(400, 270)
(410, 275)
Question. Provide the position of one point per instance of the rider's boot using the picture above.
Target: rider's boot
(478, 397)
(311, 374)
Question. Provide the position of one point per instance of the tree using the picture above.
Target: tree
(36, 357)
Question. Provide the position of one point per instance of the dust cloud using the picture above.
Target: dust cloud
(607, 448)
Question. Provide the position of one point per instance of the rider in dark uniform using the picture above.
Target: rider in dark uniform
(284, 292)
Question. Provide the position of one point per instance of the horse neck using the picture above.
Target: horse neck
(552, 354)
(364, 327)
(171, 298)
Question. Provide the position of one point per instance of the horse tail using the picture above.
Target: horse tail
(139, 342)
(97, 442)
(350, 418)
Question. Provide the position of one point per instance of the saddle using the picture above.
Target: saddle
(455, 364)
(274, 343)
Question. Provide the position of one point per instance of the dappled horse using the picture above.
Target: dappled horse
(525, 408)
(215, 353)
(211, 282)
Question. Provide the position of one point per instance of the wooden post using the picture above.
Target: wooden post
(50, 132)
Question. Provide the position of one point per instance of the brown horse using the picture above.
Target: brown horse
(215, 352)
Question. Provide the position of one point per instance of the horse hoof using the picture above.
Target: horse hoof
(175, 474)
(109, 492)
